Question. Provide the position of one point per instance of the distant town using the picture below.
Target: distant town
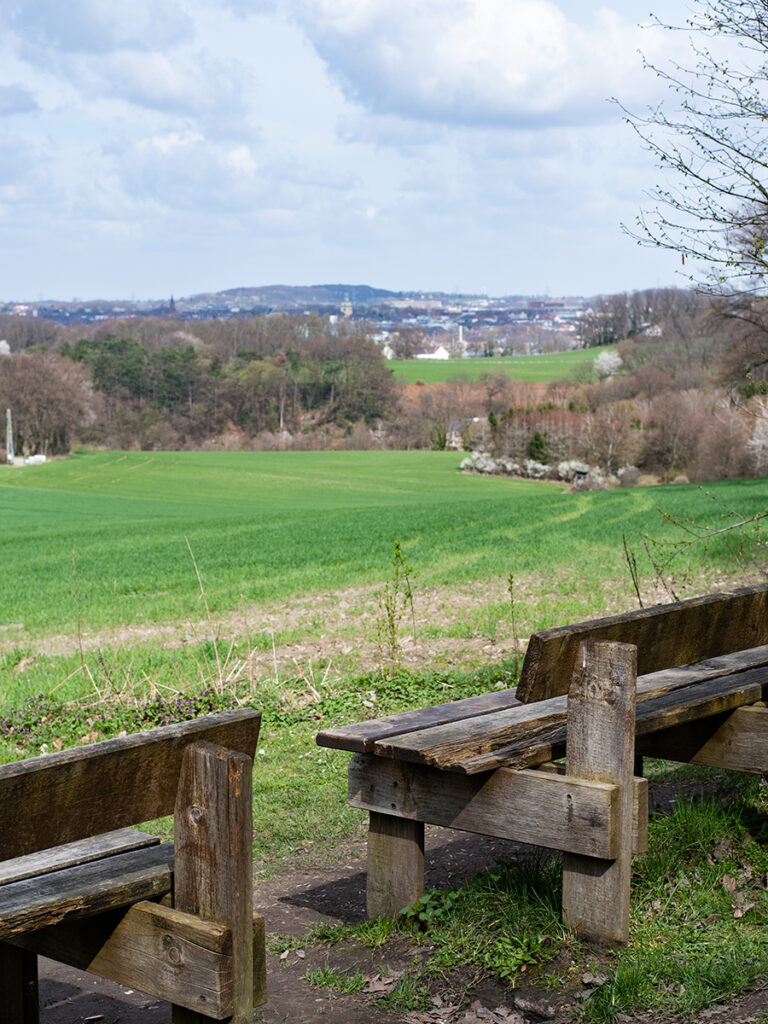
(421, 324)
(435, 310)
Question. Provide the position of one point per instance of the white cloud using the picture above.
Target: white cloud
(194, 85)
(499, 62)
(412, 143)
(17, 161)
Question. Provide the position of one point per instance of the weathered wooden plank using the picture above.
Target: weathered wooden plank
(601, 746)
(214, 870)
(69, 795)
(737, 740)
(395, 867)
(71, 854)
(444, 744)
(156, 949)
(84, 890)
(520, 754)
(18, 986)
(513, 744)
(653, 684)
(534, 807)
(361, 736)
(667, 635)
(259, 960)
(479, 735)
(639, 805)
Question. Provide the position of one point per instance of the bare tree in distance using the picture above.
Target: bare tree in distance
(713, 137)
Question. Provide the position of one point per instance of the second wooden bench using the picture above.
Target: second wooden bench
(485, 764)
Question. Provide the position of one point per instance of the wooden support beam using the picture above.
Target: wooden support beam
(737, 740)
(259, 961)
(639, 805)
(601, 746)
(156, 949)
(18, 986)
(213, 870)
(544, 809)
(395, 871)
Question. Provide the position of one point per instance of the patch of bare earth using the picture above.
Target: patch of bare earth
(464, 625)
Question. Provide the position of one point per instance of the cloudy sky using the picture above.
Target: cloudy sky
(150, 147)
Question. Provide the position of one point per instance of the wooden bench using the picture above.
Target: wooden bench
(174, 920)
(485, 764)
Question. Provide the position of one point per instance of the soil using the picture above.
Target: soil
(338, 629)
(309, 892)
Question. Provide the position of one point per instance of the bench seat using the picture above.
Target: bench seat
(69, 855)
(86, 889)
(508, 733)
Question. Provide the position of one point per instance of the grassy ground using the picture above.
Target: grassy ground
(274, 537)
(544, 368)
(105, 538)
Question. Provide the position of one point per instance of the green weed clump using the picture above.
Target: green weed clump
(395, 603)
(699, 910)
(333, 978)
(505, 920)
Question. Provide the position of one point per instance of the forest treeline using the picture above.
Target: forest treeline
(689, 398)
(155, 384)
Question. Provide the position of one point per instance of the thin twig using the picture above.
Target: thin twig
(629, 555)
(219, 681)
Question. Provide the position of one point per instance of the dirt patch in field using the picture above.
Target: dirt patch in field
(465, 625)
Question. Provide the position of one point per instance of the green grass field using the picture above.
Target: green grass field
(558, 366)
(102, 538)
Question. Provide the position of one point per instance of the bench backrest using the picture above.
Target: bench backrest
(73, 794)
(666, 636)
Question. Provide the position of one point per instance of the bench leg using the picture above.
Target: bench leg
(601, 747)
(395, 864)
(19, 1001)
(213, 871)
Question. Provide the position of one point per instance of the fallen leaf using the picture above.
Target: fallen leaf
(741, 911)
(90, 737)
(723, 849)
(383, 983)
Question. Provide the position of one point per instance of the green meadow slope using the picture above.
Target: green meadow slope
(544, 368)
(104, 538)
